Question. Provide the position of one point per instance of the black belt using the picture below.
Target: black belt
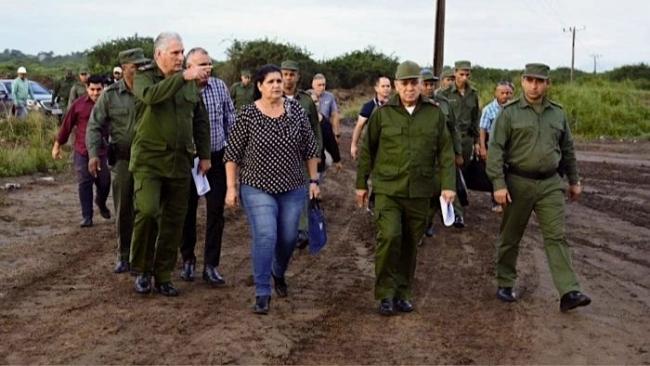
(532, 175)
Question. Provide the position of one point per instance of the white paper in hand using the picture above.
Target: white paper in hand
(447, 210)
(201, 181)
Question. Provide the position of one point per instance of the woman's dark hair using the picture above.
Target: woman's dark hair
(259, 77)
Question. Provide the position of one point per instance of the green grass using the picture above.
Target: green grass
(25, 146)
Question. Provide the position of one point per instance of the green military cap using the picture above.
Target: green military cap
(84, 70)
(133, 56)
(463, 65)
(427, 75)
(289, 65)
(246, 73)
(446, 72)
(539, 71)
(407, 70)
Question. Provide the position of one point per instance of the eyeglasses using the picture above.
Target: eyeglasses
(83, 73)
(117, 73)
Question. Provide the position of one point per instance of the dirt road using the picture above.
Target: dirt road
(61, 304)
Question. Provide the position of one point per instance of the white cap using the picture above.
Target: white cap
(117, 69)
(22, 70)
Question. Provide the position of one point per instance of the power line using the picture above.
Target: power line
(573, 45)
(596, 57)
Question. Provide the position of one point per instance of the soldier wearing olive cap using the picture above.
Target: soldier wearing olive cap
(61, 90)
(407, 144)
(241, 92)
(79, 88)
(463, 98)
(115, 112)
(531, 143)
(428, 83)
(290, 79)
(446, 78)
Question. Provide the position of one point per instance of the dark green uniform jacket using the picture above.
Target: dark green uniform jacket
(531, 142)
(466, 109)
(241, 95)
(400, 150)
(172, 124)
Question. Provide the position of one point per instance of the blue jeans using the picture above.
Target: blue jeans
(273, 219)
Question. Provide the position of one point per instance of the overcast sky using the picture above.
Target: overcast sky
(497, 33)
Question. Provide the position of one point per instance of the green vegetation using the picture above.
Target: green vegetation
(25, 146)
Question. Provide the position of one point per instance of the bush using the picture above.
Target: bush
(25, 146)
(104, 56)
(358, 68)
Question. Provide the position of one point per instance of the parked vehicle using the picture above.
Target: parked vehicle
(42, 99)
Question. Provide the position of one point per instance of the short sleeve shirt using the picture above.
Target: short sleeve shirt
(366, 109)
(327, 104)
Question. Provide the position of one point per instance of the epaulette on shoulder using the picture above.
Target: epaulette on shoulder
(556, 104)
(431, 101)
(303, 92)
(511, 102)
(146, 67)
(111, 87)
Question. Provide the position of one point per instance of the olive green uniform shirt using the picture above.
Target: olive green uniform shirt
(443, 103)
(114, 112)
(172, 123)
(466, 109)
(404, 151)
(77, 90)
(312, 113)
(62, 91)
(531, 142)
(241, 95)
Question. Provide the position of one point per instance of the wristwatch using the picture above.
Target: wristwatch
(314, 181)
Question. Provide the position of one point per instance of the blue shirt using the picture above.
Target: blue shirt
(490, 113)
(327, 104)
(221, 112)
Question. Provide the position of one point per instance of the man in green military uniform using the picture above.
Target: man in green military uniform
(290, 78)
(78, 89)
(241, 92)
(463, 99)
(407, 143)
(115, 112)
(447, 78)
(530, 144)
(61, 90)
(171, 124)
(428, 90)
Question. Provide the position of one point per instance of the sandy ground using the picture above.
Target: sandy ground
(61, 304)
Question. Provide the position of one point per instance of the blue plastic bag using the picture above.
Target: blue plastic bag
(317, 227)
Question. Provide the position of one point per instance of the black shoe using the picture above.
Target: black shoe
(429, 232)
(302, 240)
(104, 212)
(281, 288)
(262, 304)
(212, 276)
(121, 266)
(187, 273)
(143, 283)
(386, 307)
(572, 300)
(86, 223)
(403, 306)
(506, 294)
(166, 289)
(459, 222)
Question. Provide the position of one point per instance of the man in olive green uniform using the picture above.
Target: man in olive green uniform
(79, 88)
(463, 99)
(530, 144)
(290, 78)
(61, 90)
(241, 92)
(171, 123)
(428, 91)
(404, 141)
(447, 78)
(115, 112)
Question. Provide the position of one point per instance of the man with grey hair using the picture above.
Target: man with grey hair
(328, 115)
(221, 112)
(172, 125)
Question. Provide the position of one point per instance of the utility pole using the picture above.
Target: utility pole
(573, 45)
(596, 57)
(439, 39)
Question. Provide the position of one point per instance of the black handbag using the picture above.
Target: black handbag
(476, 178)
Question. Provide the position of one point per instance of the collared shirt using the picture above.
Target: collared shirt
(20, 92)
(221, 112)
(489, 115)
(114, 112)
(77, 116)
(366, 109)
(327, 104)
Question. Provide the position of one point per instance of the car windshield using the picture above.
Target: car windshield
(7, 85)
(38, 88)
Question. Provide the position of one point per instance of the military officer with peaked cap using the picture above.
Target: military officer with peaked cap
(531, 143)
(405, 139)
(115, 112)
(464, 101)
